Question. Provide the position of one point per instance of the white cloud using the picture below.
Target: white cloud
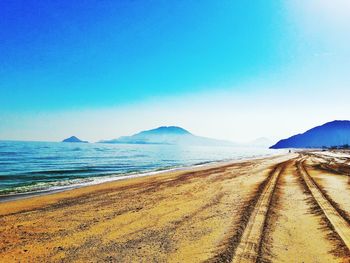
(335, 13)
(328, 20)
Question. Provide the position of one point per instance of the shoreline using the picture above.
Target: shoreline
(202, 214)
(47, 199)
(115, 178)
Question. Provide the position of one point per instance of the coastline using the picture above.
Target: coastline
(203, 214)
(113, 178)
(125, 206)
(35, 200)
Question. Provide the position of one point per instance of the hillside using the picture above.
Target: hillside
(335, 133)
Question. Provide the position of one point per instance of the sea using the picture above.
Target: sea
(31, 168)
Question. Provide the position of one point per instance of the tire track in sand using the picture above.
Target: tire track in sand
(248, 248)
(340, 225)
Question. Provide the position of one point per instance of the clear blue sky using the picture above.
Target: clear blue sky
(63, 54)
(73, 56)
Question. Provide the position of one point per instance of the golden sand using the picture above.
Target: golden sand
(196, 215)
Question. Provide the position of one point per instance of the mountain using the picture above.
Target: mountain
(74, 139)
(335, 133)
(168, 135)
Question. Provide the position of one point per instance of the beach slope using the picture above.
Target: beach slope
(269, 210)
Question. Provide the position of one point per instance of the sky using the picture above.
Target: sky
(235, 70)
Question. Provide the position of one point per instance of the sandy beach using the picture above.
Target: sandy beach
(287, 208)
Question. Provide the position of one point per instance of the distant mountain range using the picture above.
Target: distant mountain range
(74, 139)
(331, 134)
(169, 135)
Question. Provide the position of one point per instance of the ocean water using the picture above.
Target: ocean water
(33, 167)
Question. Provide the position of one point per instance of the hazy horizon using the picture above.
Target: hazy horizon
(225, 70)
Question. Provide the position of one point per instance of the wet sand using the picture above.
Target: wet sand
(277, 209)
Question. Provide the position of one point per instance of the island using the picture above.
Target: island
(74, 139)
